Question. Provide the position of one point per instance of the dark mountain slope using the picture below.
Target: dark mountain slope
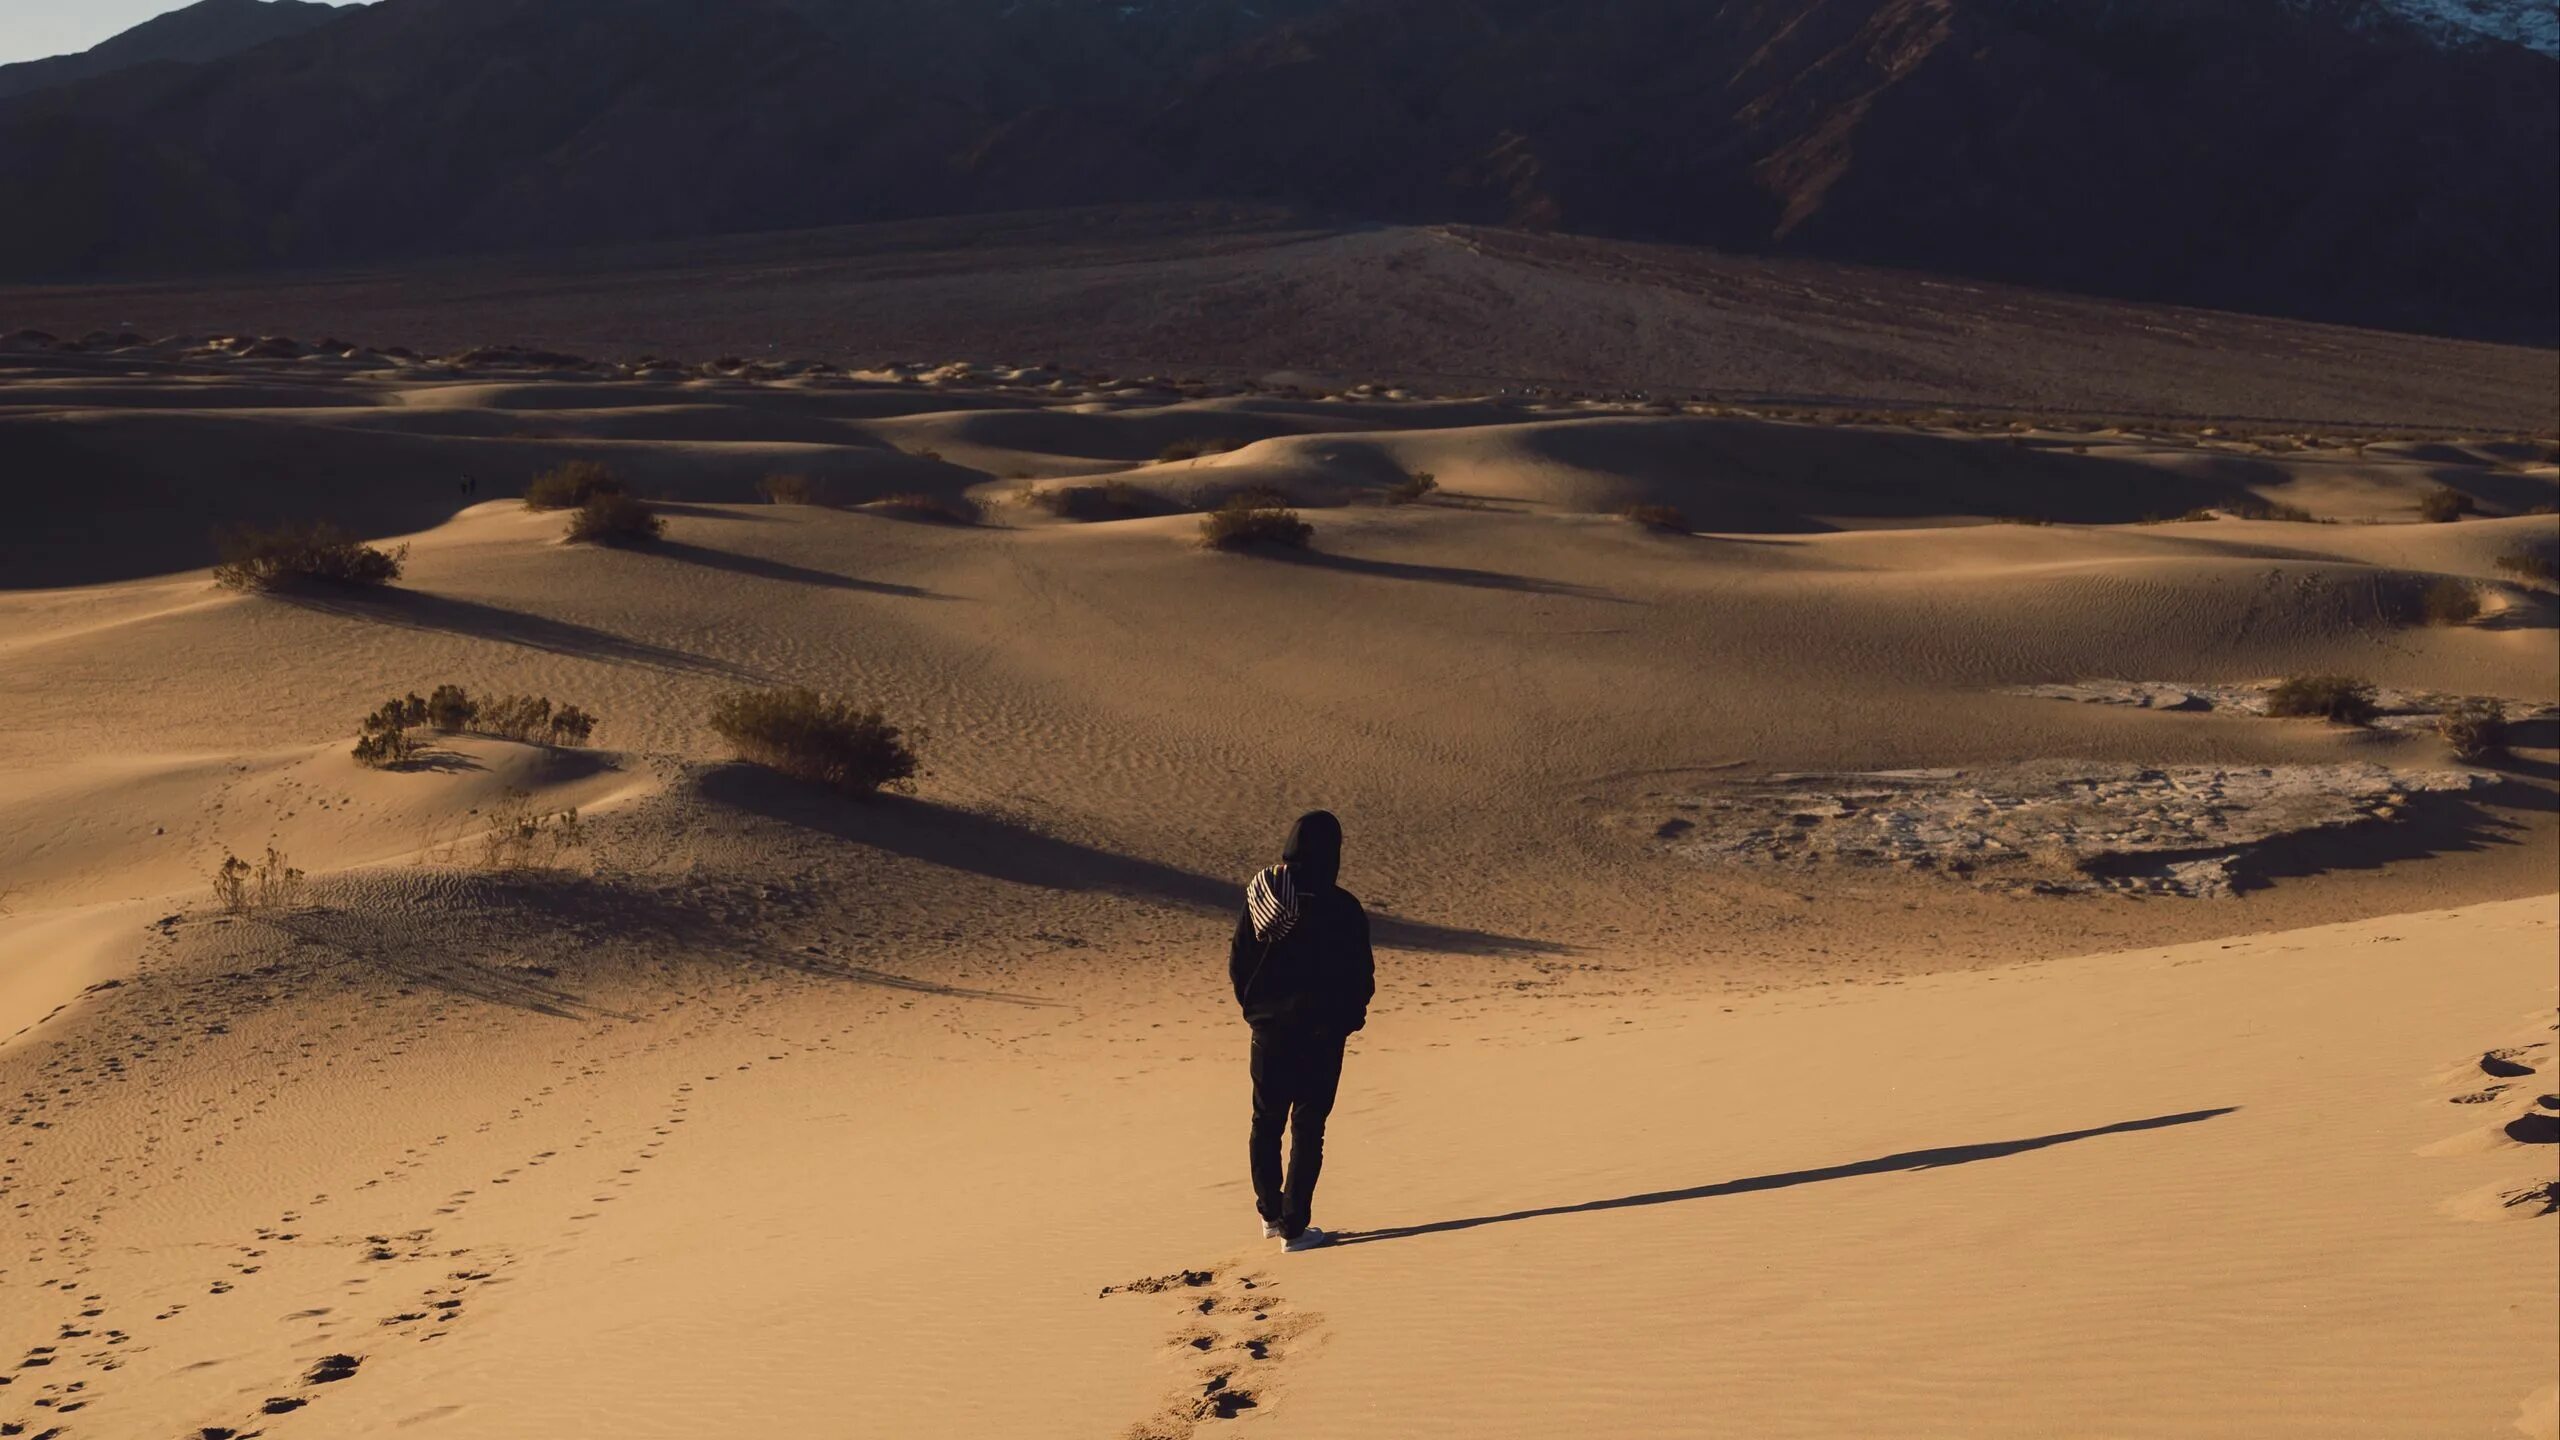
(2254, 154)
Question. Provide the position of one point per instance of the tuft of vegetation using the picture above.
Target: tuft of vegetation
(2476, 729)
(524, 837)
(384, 741)
(243, 888)
(1248, 520)
(789, 489)
(2540, 566)
(818, 738)
(1666, 518)
(2447, 601)
(451, 709)
(569, 485)
(2444, 503)
(318, 553)
(2340, 699)
(927, 452)
(1413, 488)
(949, 509)
(1115, 500)
(615, 520)
(1194, 449)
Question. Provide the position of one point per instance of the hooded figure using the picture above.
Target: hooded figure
(1303, 974)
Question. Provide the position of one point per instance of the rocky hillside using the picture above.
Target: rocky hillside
(2306, 157)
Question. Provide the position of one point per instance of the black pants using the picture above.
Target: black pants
(1294, 1077)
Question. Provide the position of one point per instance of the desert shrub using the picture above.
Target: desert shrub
(2339, 698)
(524, 718)
(1116, 500)
(1247, 520)
(383, 737)
(1194, 449)
(569, 485)
(2534, 565)
(242, 888)
(2445, 503)
(788, 489)
(1413, 488)
(2257, 509)
(571, 726)
(2020, 520)
(2476, 729)
(950, 509)
(1658, 517)
(615, 519)
(451, 708)
(815, 737)
(2447, 601)
(524, 837)
(318, 553)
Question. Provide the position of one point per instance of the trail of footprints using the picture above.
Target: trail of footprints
(1232, 1330)
(2512, 1091)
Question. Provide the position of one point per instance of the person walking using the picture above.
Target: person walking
(1303, 976)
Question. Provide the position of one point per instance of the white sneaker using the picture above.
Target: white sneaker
(1310, 1238)
(1270, 1229)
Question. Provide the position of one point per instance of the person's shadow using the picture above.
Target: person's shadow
(1907, 1160)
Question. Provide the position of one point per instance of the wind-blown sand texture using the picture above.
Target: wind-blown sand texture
(772, 1113)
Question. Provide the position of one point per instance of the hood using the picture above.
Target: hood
(1314, 851)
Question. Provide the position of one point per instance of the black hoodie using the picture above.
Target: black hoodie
(1317, 978)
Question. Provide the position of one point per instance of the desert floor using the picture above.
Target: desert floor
(1853, 969)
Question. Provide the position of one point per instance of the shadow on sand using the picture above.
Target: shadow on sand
(420, 610)
(1439, 574)
(1882, 1165)
(749, 565)
(616, 925)
(1007, 850)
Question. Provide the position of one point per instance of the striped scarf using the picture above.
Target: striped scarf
(1273, 902)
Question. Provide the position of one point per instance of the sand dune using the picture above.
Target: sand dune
(1725, 1079)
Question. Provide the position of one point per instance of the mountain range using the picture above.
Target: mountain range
(2395, 165)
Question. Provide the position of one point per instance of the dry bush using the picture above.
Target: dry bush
(815, 737)
(2341, 699)
(2447, 601)
(788, 489)
(319, 553)
(1194, 449)
(615, 520)
(927, 452)
(2445, 503)
(451, 709)
(1413, 488)
(2539, 566)
(1658, 517)
(524, 837)
(534, 720)
(1117, 500)
(2476, 729)
(383, 738)
(1248, 520)
(949, 509)
(569, 485)
(242, 888)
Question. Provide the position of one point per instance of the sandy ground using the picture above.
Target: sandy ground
(1726, 1077)
(1237, 292)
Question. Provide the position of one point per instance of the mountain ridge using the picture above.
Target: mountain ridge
(2383, 180)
